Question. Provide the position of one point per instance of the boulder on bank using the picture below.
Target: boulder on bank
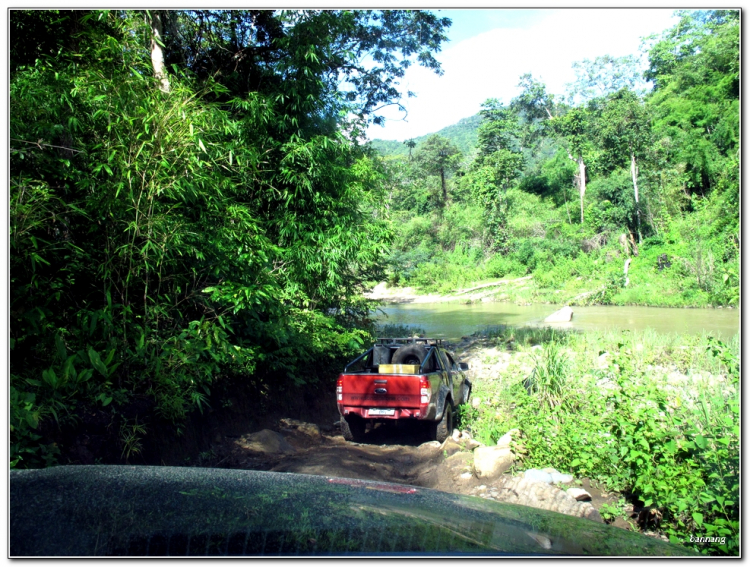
(563, 315)
(548, 475)
(527, 492)
(579, 494)
(506, 439)
(491, 462)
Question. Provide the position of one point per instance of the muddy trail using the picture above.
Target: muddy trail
(394, 454)
(403, 453)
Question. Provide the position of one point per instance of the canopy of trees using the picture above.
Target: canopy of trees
(193, 209)
(190, 205)
(551, 180)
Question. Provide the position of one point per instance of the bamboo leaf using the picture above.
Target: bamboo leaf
(97, 363)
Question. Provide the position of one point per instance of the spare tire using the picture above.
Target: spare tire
(409, 354)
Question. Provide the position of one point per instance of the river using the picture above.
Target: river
(454, 320)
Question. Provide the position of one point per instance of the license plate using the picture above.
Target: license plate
(378, 411)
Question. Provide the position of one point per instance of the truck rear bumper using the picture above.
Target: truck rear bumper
(427, 412)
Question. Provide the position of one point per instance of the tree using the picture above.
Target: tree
(157, 55)
(624, 128)
(323, 66)
(569, 125)
(411, 144)
(574, 128)
(695, 69)
(603, 76)
(436, 156)
(163, 244)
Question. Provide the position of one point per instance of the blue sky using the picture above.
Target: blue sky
(489, 49)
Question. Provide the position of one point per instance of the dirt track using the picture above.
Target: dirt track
(389, 453)
(393, 454)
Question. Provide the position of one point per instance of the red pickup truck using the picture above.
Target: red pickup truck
(402, 379)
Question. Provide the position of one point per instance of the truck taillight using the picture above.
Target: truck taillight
(424, 391)
(340, 390)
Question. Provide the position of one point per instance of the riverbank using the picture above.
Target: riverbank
(495, 290)
(651, 416)
(527, 291)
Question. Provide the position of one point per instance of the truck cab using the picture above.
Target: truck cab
(402, 379)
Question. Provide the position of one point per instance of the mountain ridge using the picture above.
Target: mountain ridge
(463, 134)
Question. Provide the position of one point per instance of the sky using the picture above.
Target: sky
(490, 49)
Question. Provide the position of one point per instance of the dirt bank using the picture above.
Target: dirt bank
(491, 291)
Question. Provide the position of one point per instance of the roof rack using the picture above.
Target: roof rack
(408, 340)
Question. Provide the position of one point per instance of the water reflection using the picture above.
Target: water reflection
(453, 320)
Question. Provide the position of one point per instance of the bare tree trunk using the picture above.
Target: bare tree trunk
(157, 54)
(442, 183)
(582, 185)
(634, 175)
(581, 179)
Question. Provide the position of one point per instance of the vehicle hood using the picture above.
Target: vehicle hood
(168, 511)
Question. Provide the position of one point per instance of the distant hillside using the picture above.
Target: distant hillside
(463, 135)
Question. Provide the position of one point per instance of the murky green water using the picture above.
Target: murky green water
(452, 321)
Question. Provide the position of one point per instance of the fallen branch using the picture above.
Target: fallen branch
(587, 293)
(495, 284)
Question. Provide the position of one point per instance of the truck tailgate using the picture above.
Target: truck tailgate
(380, 390)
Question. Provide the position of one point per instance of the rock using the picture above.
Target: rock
(549, 475)
(560, 316)
(591, 513)
(505, 440)
(560, 477)
(471, 444)
(456, 435)
(579, 494)
(450, 447)
(466, 476)
(465, 434)
(603, 360)
(475, 402)
(527, 492)
(491, 462)
(266, 441)
(430, 445)
(535, 475)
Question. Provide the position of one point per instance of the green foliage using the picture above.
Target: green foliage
(463, 135)
(673, 444)
(164, 243)
(548, 380)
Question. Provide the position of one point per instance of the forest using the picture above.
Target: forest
(195, 209)
(192, 208)
(567, 188)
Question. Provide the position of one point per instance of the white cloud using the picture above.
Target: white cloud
(489, 65)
